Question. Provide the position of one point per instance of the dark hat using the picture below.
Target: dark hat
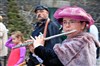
(41, 7)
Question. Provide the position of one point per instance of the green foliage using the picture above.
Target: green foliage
(15, 22)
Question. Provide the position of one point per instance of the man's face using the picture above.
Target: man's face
(41, 14)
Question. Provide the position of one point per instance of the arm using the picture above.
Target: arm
(73, 49)
(32, 57)
(1, 33)
(94, 31)
(22, 55)
(48, 56)
(32, 60)
(9, 43)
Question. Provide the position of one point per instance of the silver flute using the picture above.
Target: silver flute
(48, 38)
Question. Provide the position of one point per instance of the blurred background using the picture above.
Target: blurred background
(19, 14)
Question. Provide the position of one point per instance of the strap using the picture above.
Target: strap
(46, 26)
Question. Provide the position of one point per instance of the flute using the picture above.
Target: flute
(48, 38)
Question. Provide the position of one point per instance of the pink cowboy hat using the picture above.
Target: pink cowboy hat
(76, 13)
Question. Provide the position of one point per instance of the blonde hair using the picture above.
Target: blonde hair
(18, 34)
(1, 18)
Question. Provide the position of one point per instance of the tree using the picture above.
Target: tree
(15, 21)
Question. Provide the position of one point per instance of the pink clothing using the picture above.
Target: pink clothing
(17, 55)
(76, 13)
(78, 51)
(14, 57)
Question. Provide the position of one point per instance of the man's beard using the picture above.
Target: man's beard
(39, 18)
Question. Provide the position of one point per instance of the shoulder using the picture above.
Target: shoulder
(2, 26)
(93, 27)
(80, 37)
(94, 30)
(54, 24)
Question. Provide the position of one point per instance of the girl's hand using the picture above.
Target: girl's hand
(30, 46)
(38, 41)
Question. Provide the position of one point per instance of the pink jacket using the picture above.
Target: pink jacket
(78, 51)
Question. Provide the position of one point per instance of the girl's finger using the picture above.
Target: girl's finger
(39, 36)
(36, 37)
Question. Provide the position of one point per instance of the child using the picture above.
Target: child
(17, 55)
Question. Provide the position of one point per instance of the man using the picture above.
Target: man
(94, 30)
(3, 39)
(42, 15)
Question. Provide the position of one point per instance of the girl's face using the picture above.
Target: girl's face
(71, 24)
(15, 40)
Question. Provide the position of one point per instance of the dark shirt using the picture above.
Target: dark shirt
(53, 29)
(48, 55)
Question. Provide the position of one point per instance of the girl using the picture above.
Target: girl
(79, 49)
(17, 55)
